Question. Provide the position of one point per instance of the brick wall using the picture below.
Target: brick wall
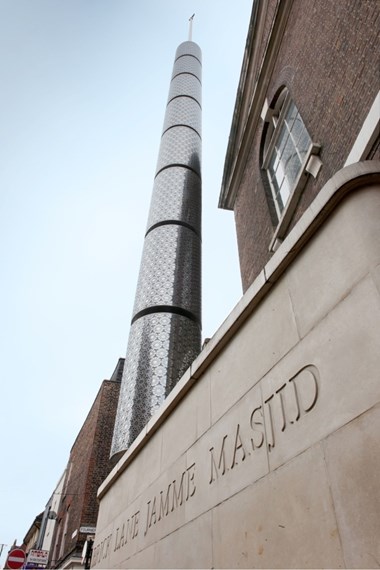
(89, 464)
(100, 463)
(329, 61)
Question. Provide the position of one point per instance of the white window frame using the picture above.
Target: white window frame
(310, 164)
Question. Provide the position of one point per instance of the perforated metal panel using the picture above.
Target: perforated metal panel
(183, 111)
(161, 347)
(176, 196)
(187, 64)
(171, 261)
(189, 48)
(180, 145)
(185, 85)
(165, 334)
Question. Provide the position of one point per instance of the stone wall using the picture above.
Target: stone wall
(266, 453)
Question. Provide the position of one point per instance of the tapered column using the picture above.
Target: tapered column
(165, 334)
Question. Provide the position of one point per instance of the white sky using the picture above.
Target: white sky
(84, 85)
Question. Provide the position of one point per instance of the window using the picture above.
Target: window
(286, 157)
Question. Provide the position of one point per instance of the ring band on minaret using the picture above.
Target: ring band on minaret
(165, 334)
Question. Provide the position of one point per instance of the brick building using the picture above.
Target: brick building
(89, 463)
(322, 59)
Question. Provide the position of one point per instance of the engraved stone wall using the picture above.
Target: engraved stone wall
(165, 335)
(265, 455)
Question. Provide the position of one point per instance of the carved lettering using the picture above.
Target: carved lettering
(104, 547)
(136, 517)
(305, 395)
(101, 550)
(128, 533)
(173, 497)
(238, 445)
(279, 392)
(290, 401)
(270, 443)
(259, 443)
(222, 462)
(298, 415)
(164, 505)
(191, 488)
(283, 407)
(153, 513)
(117, 544)
(307, 378)
(177, 498)
(122, 535)
(147, 517)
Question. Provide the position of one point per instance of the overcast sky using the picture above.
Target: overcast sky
(83, 90)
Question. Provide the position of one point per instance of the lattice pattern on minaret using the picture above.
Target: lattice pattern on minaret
(165, 334)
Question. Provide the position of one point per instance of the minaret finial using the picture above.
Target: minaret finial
(191, 27)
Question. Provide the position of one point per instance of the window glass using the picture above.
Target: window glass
(286, 149)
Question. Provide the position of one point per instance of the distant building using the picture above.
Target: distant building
(49, 519)
(74, 517)
(31, 537)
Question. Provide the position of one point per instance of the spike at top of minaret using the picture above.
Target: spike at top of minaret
(191, 27)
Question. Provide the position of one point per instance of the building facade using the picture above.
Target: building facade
(49, 519)
(265, 454)
(71, 521)
(30, 540)
(311, 67)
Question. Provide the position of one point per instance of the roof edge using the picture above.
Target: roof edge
(254, 86)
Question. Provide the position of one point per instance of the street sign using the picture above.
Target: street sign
(38, 557)
(16, 559)
(88, 529)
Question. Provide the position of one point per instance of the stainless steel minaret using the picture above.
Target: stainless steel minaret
(165, 334)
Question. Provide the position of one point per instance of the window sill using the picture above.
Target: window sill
(311, 165)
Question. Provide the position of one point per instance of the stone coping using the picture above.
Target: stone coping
(343, 182)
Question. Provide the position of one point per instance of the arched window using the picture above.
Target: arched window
(286, 155)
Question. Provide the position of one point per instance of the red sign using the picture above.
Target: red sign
(16, 559)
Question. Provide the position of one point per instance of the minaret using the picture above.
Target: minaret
(165, 334)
